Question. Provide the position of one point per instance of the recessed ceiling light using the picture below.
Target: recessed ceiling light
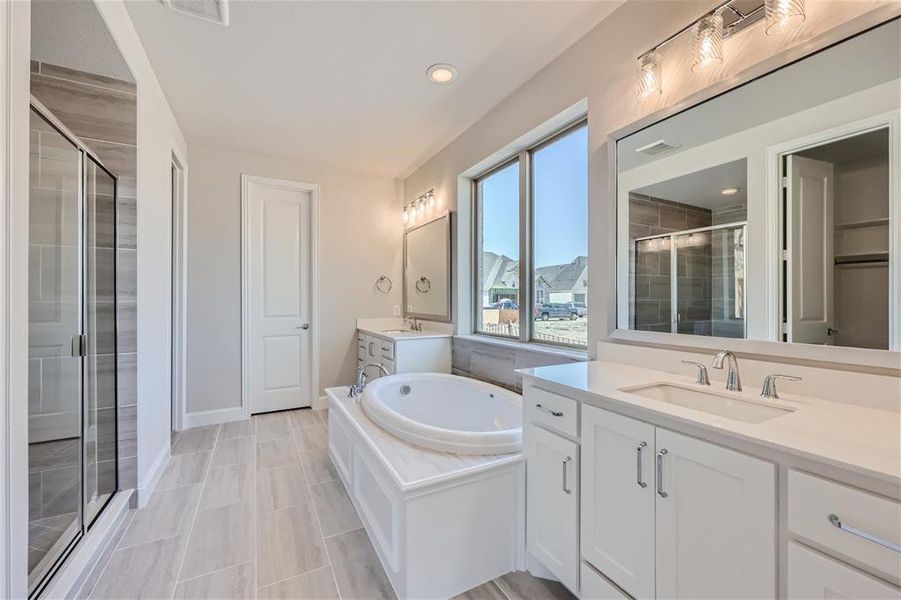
(730, 191)
(441, 73)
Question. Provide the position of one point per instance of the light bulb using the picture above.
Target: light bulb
(782, 15)
(708, 42)
(650, 81)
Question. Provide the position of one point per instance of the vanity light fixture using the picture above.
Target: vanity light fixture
(707, 44)
(709, 32)
(650, 81)
(441, 73)
(782, 15)
(730, 191)
(406, 214)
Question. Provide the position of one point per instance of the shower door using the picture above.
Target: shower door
(72, 344)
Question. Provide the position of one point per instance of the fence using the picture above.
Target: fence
(512, 330)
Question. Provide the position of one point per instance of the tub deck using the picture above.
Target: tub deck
(412, 467)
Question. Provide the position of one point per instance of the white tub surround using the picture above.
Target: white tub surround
(649, 481)
(447, 413)
(440, 523)
(392, 344)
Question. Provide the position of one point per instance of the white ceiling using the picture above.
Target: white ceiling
(704, 188)
(344, 83)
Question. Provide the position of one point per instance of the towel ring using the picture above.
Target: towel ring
(423, 285)
(383, 284)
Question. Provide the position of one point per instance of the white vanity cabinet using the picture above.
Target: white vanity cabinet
(655, 512)
(671, 516)
(408, 354)
(553, 504)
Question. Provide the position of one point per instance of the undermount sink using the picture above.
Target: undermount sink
(704, 400)
(397, 331)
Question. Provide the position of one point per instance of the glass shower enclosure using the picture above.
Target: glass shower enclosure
(72, 419)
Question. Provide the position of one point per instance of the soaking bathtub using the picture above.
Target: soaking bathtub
(446, 412)
(441, 522)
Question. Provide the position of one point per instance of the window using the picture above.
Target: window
(551, 258)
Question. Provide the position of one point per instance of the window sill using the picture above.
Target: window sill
(527, 346)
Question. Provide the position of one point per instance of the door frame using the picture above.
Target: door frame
(246, 181)
(179, 282)
(775, 221)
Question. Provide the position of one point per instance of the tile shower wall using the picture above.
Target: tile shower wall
(496, 363)
(102, 112)
(650, 285)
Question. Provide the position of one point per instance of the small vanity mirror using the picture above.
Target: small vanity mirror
(749, 218)
(427, 270)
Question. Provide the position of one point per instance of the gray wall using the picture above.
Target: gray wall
(360, 238)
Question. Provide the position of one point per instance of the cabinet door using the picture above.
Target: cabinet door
(716, 521)
(553, 501)
(618, 499)
(373, 352)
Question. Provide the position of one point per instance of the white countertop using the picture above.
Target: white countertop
(395, 334)
(865, 440)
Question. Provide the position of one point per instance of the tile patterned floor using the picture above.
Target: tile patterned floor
(253, 509)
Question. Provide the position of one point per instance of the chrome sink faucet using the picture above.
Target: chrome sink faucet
(769, 385)
(733, 380)
(357, 388)
(413, 323)
(702, 379)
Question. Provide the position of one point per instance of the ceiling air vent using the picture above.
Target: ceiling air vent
(658, 147)
(208, 10)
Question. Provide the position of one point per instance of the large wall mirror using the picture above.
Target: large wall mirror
(771, 212)
(427, 270)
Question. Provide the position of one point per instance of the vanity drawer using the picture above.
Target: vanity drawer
(813, 575)
(387, 350)
(552, 411)
(812, 502)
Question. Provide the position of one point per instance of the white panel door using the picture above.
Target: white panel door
(716, 521)
(553, 504)
(810, 242)
(618, 499)
(277, 292)
(816, 576)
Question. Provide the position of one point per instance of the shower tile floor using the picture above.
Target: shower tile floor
(253, 509)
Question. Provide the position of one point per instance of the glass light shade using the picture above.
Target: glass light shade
(406, 215)
(707, 44)
(782, 15)
(650, 81)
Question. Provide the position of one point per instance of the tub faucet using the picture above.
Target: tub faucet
(733, 381)
(357, 388)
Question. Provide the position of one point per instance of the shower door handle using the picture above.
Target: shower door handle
(79, 343)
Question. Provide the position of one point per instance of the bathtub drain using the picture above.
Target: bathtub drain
(404, 390)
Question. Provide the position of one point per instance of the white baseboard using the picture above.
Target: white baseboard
(202, 418)
(320, 403)
(78, 567)
(148, 484)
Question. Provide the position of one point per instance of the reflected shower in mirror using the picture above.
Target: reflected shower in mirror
(427, 270)
(768, 212)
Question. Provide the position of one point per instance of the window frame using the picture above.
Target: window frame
(526, 238)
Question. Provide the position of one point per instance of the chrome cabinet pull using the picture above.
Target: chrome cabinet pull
(660, 454)
(565, 488)
(833, 518)
(553, 413)
(638, 476)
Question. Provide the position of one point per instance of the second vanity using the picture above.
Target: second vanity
(643, 483)
(398, 349)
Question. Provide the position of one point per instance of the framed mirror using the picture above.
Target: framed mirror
(771, 212)
(427, 270)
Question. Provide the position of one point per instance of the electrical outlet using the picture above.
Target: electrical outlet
(397, 310)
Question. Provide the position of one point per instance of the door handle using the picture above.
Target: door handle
(660, 454)
(553, 413)
(304, 326)
(565, 487)
(638, 477)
